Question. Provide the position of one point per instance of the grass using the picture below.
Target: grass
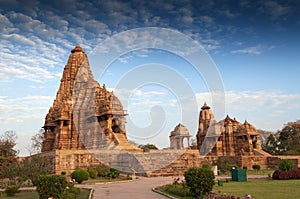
(84, 194)
(262, 188)
(258, 189)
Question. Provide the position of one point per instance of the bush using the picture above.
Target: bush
(102, 169)
(285, 165)
(205, 166)
(113, 173)
(225, 164)
(286, 175)
(178, 190)
(93, 173)
(80, 175)
(11, 190)
(63, 173)
(51, 186)
(256, 167)
(200, 181)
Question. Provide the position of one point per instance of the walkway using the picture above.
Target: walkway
(138, 189)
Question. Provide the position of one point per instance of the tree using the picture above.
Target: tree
(36, 142)
(7, 144)
(271, 145)
(289, 138)
(148, 147)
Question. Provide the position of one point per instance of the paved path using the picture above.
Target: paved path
(138, 189)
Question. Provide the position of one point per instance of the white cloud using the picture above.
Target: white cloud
(254, 50)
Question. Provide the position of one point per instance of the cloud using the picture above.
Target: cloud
(254, 50)
(275, 9)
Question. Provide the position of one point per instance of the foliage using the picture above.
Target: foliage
(286, 175)
(289, 138)
(7, 144)
(36, 142)
(11, 170)
(256, 167)
(225, 163)
(80, 175)
(102, 169)
(93, 173)
(272, 145)
(200, 181)
(148, 147)
(113, 173)
(71, 192)
(178, 190)
(63, 173)
(51, 186)
(34, 166)
(285, 165)
(206, 166)
(11, 190)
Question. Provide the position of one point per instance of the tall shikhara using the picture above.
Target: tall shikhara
(84, 115)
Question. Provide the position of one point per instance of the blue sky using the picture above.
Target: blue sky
(254, 45)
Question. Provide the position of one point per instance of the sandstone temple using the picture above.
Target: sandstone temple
(227, 137)
(85, 126)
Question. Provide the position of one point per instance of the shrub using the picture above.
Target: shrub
(200, 181)
(178, 190)
(93, 173)
(205, 166)
(80, 175)
(285, 165)
(225, 164)
(113, 173)
(63, 173)
(286, 175)
(51, 186)
(11, 190)
(256, 167)
(35, 166)
(102, 169)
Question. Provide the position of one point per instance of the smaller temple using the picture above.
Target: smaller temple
(227, 137)
(177, 136)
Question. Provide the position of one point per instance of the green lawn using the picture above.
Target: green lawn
(262, 188)
(84, 194)
(258, 189)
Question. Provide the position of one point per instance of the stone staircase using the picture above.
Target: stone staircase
(123, 144)
(261, 153)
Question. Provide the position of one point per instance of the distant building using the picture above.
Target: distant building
(227, 137)
(177, 137)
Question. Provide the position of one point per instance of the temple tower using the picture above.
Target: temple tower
(205, 118)
(84, 115)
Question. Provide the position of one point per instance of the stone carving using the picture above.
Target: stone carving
(227, 137)
(84, 115)
(177, 136)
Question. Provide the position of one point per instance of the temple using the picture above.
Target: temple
(85, 126)
(84, 115)
(227, 137)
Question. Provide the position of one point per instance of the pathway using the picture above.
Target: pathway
(138, 189)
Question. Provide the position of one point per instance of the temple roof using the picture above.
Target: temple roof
(205, 106)
(77, 49)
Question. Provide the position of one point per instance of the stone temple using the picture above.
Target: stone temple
(84, 115)
(85, 126)
(227, 137)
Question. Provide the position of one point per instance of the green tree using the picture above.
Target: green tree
(289, 138)
(148, 147)
(271, 145)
